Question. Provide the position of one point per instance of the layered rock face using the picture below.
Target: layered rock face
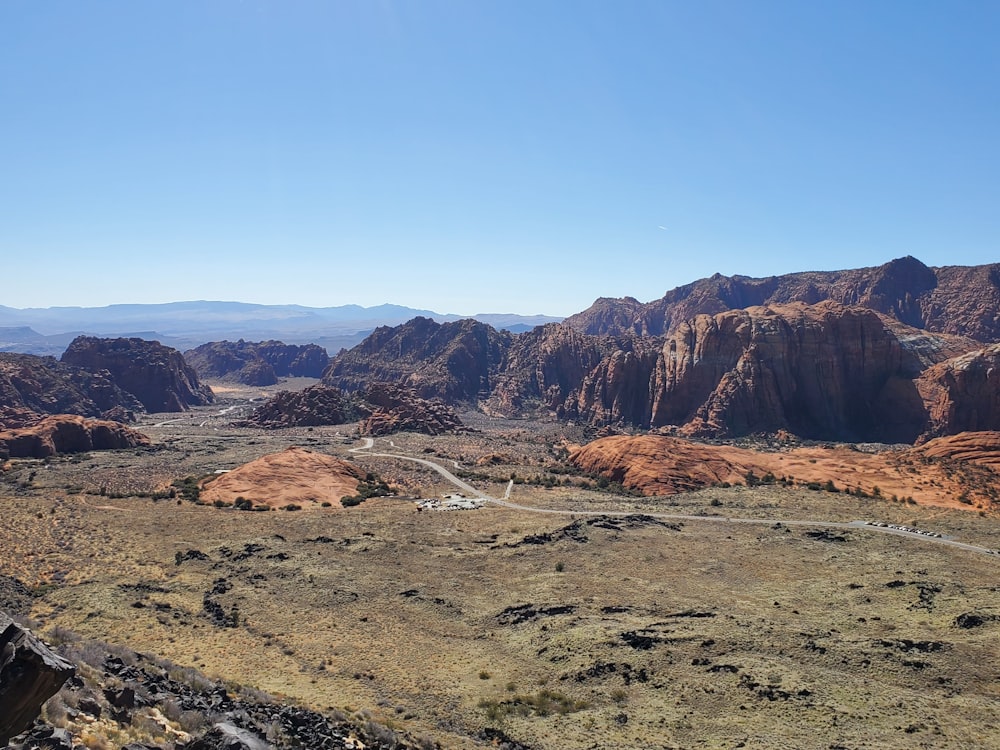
(822, 371)
(963, 393)
(257, 363)
(451, 361)
(31, 385)
(67, 433)
(961, 300)
(155, 374)
(313, 406)
(543, 367)
(817, 371)
(396, 409)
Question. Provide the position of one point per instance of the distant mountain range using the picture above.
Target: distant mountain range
(185, 325)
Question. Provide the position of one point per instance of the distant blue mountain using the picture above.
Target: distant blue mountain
(185, 325)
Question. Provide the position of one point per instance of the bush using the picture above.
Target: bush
(187, 488)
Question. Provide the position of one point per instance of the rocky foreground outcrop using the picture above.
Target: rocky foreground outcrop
(396, 409)
(157, 375)
(158, 705)
(30, 386)
(257, 363)
(455, 362)
(67, 433)
(295, 476)
(961, 300)
(30, 674)
(960, 471)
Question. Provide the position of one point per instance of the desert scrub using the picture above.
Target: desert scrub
(189, 488)
(543, 703)
(372, 486)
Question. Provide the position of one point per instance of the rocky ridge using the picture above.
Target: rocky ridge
(311, 407)
(962, 300)
(542, 367)
(822, 371)
(455, 362)
(155, 374)
(30, 386)
(396, 409)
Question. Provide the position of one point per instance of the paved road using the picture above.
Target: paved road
(471, 491)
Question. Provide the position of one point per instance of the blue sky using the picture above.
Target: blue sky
(473, 156)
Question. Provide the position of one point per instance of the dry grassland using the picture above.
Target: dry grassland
(563, 631)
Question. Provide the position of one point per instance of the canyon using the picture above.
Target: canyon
(757, 511)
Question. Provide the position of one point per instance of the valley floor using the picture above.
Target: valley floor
(589, 631)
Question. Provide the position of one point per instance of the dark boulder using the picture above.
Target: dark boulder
(30, 674)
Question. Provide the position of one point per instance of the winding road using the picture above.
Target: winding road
(369, 444)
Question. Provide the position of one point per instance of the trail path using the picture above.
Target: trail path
(505, 502)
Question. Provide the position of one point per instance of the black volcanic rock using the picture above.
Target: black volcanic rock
(30, 673)
(157, 375)
(316, 405)
(257, 363)
(396, 409)
(44, 385)
(454, 362)
(961, 300)
(15, 597)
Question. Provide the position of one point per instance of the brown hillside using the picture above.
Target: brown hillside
(294, 476)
